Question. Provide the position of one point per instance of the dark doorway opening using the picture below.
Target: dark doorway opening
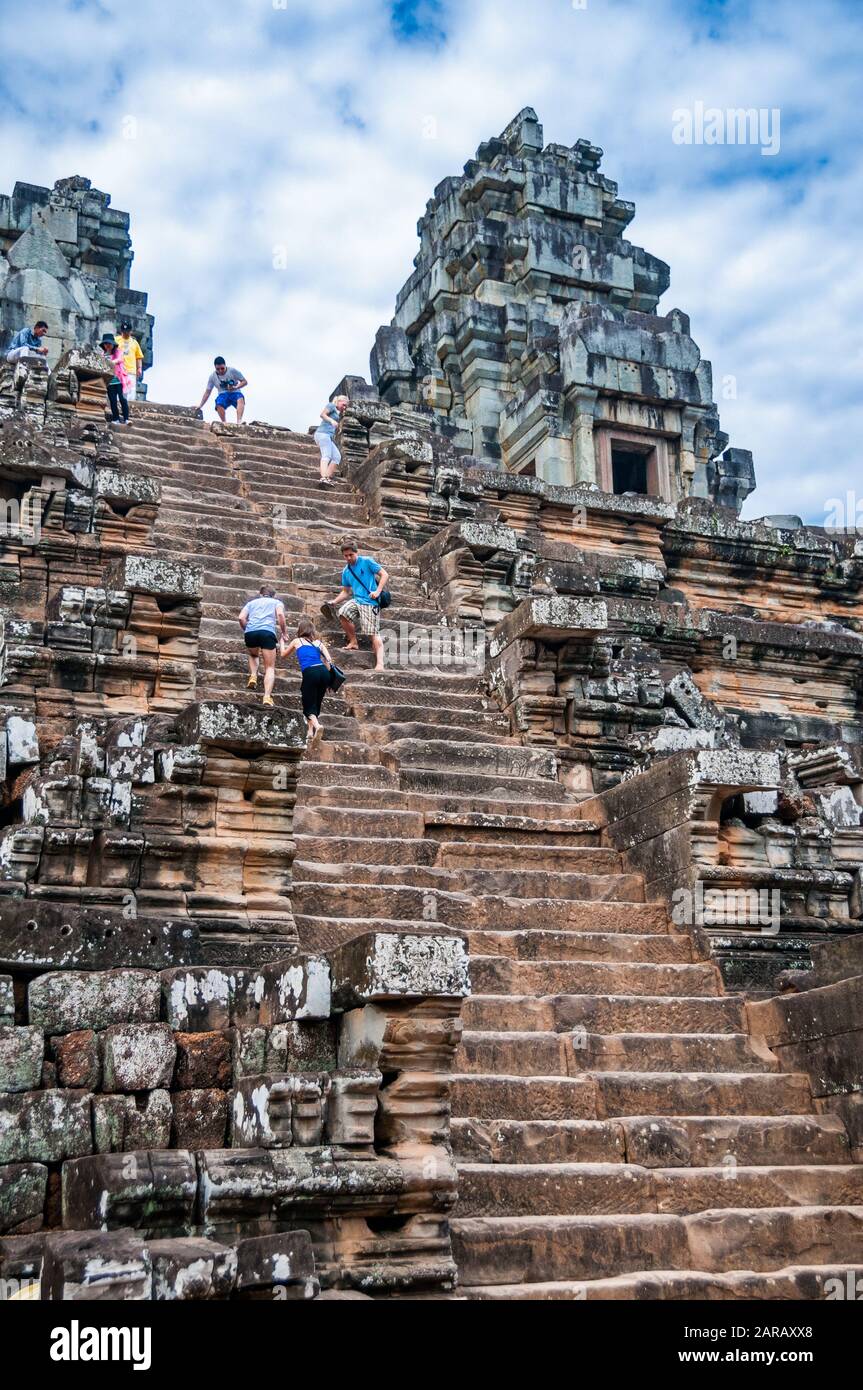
(629, 470)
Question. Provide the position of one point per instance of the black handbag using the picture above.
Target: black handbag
(337, 677)
(383, 600)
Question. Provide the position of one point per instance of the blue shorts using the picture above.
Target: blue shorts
(226, 398)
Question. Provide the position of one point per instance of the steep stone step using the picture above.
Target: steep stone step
(575, 1189)
(511, 1250)
(434, 803)
(797, 1282)
(500, 853)
(538, 1141)
(461, 910)
(539, 944)
(345, 796)
(512, 762)
(455, 787)
(496, 975)
(701, 1141)
(476, 884)
(609, 1095)
(311, 819)
(322, 776)
(598, 1013)
(702, 1093)
(498, 1097)
(535, 1053)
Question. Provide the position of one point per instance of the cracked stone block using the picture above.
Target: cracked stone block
(96, 1266)
(191, 1268)
(67, 1001)
(22, 1052)
(137, 1056)
(211, 998)
(44, 1126)
(200, 1118)
(203, 1060)
(150, 1190)
(76, 1056)
(22, 1197)
(122, 1123)
(274, 1266)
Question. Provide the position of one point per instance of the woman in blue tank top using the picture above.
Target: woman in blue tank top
(315, 662)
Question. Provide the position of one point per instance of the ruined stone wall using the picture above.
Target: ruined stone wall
(66, 257)
(529, 328)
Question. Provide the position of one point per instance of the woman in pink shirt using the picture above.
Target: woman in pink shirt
(119, 383)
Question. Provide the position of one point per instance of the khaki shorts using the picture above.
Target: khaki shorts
(366, 617)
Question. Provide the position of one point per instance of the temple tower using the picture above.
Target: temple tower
(529, 326)
(65, 257)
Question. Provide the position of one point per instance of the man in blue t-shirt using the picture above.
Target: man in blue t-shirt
(363, 579)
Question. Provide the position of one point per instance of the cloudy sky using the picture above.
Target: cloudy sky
(275, 156)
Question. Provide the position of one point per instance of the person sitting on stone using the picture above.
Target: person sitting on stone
(117, 385)
(363, 579)
(27, 343)
(227, 382)
(315, 662)
(325, 438)
(133, 359)
(263, 622)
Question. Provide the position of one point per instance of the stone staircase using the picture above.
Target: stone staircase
(618, 1135)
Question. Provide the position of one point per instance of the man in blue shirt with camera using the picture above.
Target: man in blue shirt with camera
(363, 580)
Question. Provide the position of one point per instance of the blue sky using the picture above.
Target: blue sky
(275, 156)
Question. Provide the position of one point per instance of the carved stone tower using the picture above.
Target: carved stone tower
(65, 257)
(530, 327)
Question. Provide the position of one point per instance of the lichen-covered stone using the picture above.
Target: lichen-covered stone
(69, 1001)
(22, 1051)
(399, 966)
(137, 1056)
(44, 1126)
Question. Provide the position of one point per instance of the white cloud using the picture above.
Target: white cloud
(304, 131)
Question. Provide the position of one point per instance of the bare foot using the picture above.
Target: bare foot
(351, 647)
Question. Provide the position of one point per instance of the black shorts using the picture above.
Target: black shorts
(267, 641)
(316, 683)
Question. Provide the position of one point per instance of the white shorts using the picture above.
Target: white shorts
(132, 389)
(327, 446)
